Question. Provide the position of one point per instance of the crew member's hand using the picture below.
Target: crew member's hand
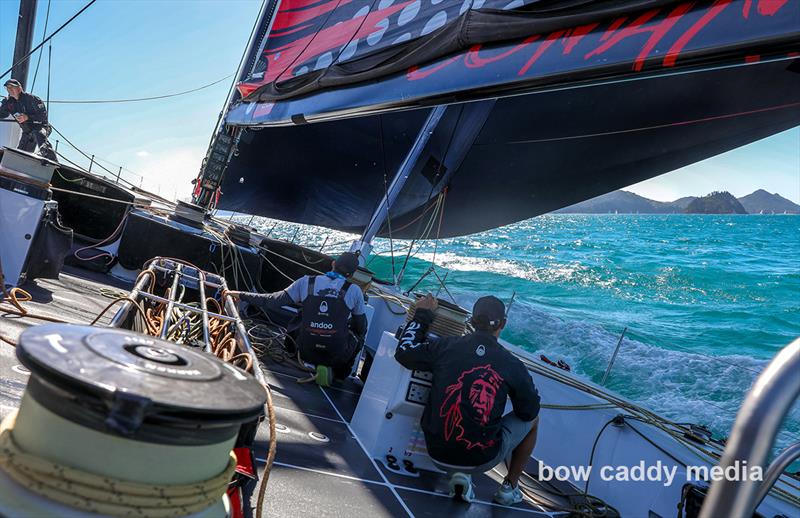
(21, 118)
(234, 295)
(428, 302)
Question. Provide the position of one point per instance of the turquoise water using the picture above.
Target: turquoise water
(707, 299)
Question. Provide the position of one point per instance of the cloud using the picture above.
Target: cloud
(142, 154)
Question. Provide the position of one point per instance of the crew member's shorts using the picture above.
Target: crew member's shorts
(512, 431)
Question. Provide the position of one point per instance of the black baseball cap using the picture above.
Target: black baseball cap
(346, 264)
(12, 82)
(489, 309)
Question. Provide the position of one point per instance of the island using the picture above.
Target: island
(718, 202)
(625, 202)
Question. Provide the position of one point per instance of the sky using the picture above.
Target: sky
(138, 48)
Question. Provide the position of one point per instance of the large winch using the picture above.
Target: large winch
(117, 423)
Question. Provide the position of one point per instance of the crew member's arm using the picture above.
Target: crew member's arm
(276, 300)
(415, 351)
(524, 396)
(358, 311)
(4, 110)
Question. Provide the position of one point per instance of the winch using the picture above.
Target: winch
(117, 423)
(449, 319)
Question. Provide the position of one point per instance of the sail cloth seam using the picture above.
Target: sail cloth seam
(474, 26)
(660, 126)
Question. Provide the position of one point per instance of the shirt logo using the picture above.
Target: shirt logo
(468, 406)
(323, 307)
(409, 335)
(481, 350)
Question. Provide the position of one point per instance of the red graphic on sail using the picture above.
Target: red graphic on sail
(468, 406)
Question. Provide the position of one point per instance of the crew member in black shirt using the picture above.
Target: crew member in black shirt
(465, 429)
(31, 114)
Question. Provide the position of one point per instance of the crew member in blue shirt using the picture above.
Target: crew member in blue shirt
(334, 321)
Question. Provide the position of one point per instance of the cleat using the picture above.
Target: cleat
(507, 494)
(461, 487)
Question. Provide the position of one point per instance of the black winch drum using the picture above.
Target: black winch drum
(134, 407)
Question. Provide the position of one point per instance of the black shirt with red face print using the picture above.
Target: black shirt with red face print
(472, 377)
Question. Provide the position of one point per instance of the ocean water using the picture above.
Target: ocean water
(707, 299)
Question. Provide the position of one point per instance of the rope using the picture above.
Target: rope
(139, 99)
(104, 494)
(273, 447)
(109, 256)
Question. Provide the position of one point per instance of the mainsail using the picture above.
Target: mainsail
(548, 103)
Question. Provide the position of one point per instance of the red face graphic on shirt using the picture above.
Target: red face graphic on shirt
(481, 397)
(468, 406)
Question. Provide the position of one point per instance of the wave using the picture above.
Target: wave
(681, 385)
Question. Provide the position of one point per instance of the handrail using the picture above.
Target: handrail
(776, 469)
(753, 434)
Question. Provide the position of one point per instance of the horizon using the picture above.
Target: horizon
(629, 190)
(160, 144)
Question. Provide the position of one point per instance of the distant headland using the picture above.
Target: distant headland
(718, 202)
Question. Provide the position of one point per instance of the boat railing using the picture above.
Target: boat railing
(754, 432)
(776, 469)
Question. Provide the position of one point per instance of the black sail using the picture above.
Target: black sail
(552, 103)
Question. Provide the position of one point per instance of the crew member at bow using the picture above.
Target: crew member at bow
(334, 321)
(465, 429)
(31, 114)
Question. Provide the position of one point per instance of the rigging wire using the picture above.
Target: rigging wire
(140, 99)
(39, 60)
(48, 38)
(386, 194)
(49, 64)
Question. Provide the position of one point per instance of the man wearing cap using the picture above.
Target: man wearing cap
(465, 430)
(31, 114)
(334, 321)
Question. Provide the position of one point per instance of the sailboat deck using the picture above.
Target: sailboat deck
(320, 469)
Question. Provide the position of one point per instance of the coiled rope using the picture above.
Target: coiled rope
(103, 494)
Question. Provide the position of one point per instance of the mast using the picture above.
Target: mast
(9, 133)
(222, 145)
(24, 41)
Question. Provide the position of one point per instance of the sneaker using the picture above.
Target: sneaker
(507, 494)
(324, 376)
(461, 487)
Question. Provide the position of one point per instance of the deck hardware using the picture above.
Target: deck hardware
(613, 357)
(319, 437)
